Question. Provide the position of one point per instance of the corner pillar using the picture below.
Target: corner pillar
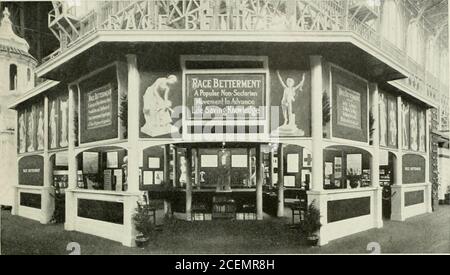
(316, 194)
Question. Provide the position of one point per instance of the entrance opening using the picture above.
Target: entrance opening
(221, 180)
(60, 167)
(387, 169)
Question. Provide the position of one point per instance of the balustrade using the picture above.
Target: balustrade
(238, 15)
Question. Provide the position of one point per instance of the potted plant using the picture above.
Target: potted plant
(143, 224)
(310, 224)
(353, 178)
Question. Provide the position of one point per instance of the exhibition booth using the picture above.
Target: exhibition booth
(235, 136)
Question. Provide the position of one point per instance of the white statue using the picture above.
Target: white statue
(392, 123)
(40, 131)
(63, 141)
(22, 136)
(183, 170)
(157, 109)
(422, 131)
(405, 112)
(53, 125)
(289, 126)
(31, 132)
(383, 121)
(414, 131)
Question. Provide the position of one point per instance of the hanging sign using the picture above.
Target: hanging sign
(349, 108)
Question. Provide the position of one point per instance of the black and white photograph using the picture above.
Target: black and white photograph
(224, 128)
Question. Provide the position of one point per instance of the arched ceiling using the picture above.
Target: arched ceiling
(435, 13)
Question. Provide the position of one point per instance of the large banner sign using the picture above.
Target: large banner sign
(349, 111)
(31, 171)
(99, 106)
(348, 108)
(413, 169)
(232, 96)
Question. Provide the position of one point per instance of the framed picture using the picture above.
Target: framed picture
(148, 178)
(112, 160)
(61, 159)
(209, 161)
(153, 163)
(292, 163)
(90, 163)
(239, 161)
(289, 181)
(159, 177)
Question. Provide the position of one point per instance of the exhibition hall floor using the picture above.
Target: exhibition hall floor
(423, 234)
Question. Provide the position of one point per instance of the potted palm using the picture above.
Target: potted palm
(143, 224)
(354, 178)
(310, 224)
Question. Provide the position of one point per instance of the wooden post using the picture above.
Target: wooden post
(167, 202)
(175, 166)
(375, 163)
(196, 169)
(188, 183)
(48, 201)
(259, 184)
(133, 124)
(249, 160)
(280, 212)
(316, 121)
(71, 204)
(271, 166)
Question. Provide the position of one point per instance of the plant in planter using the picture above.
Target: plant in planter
(143, 224)
(353, 178)
(311, 224)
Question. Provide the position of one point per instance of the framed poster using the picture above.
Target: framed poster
(337, 167)
(90, 163)
(289, 181)
(354, 164)
(112, 160)
(210, 161)
(292, 163)
(61, 159)
(239, 161)
(148, 178)
(159, 177)
(153, 163)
